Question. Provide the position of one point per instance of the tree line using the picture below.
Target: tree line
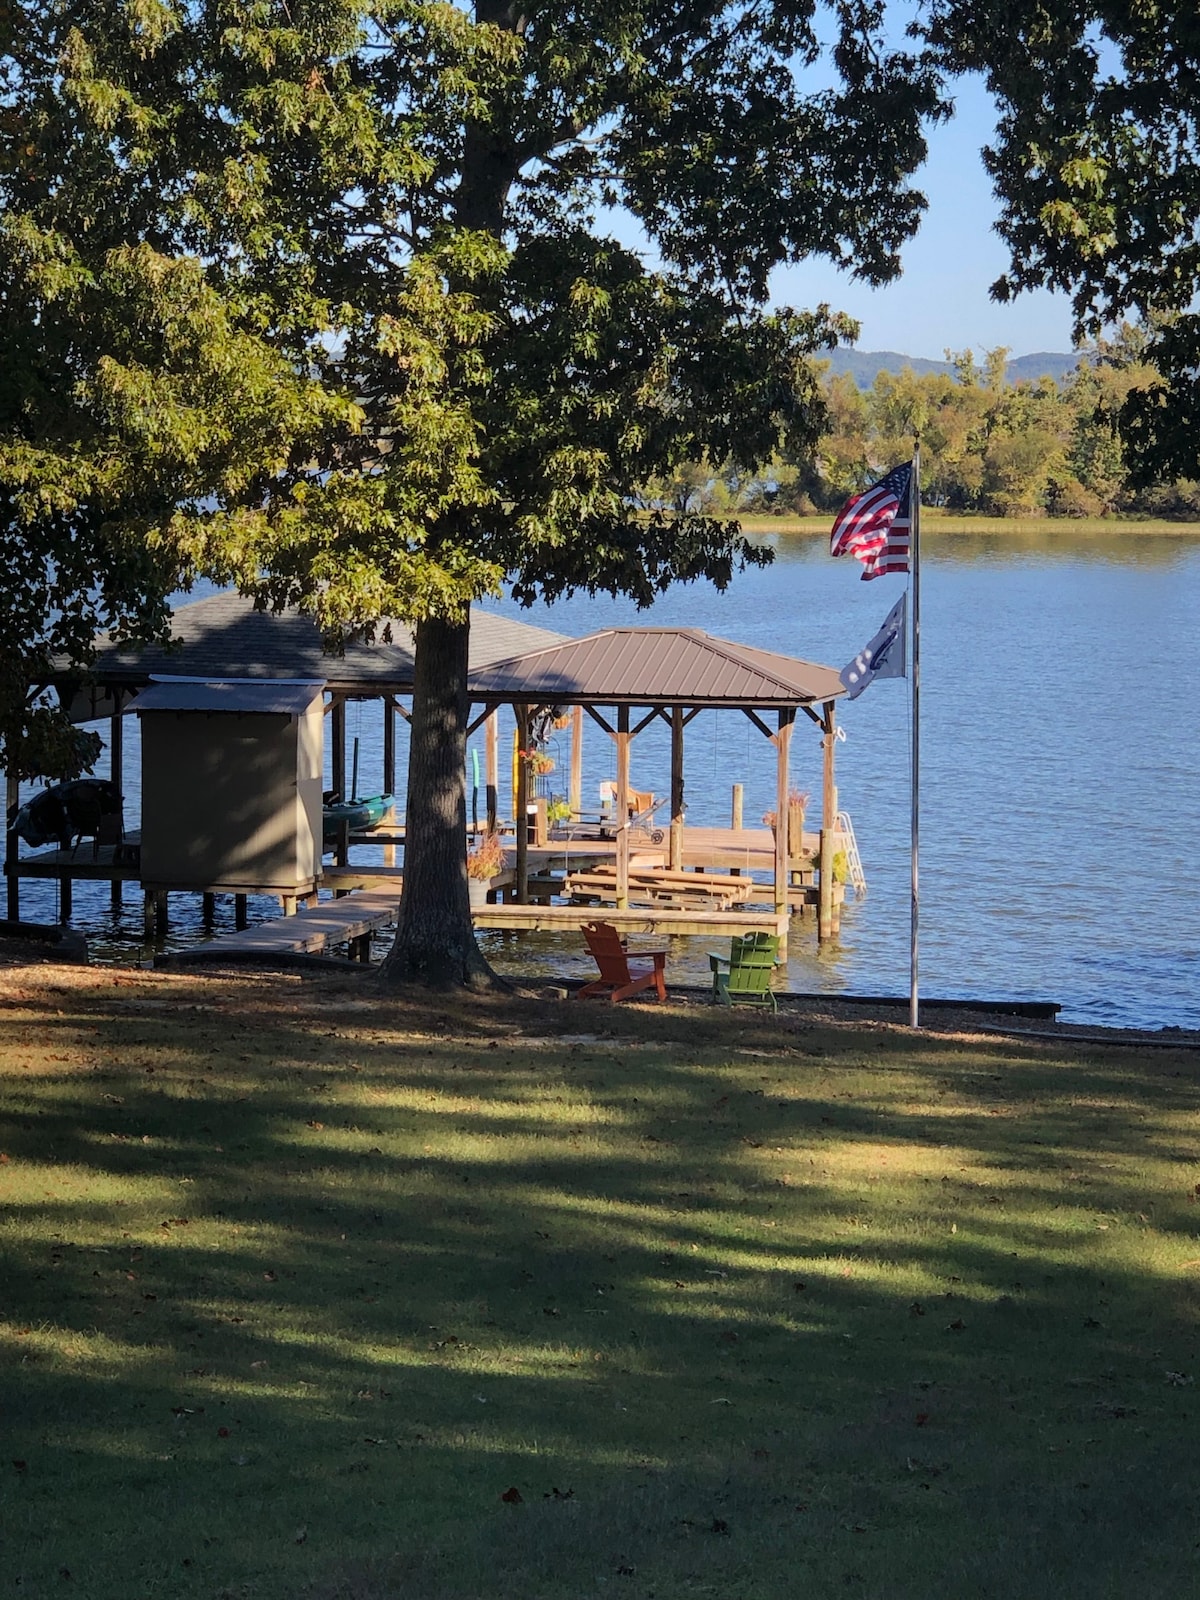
(988, 447)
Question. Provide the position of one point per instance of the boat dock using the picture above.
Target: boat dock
(349, 920)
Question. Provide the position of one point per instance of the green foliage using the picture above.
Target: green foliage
(1096, 162)
(988, 447)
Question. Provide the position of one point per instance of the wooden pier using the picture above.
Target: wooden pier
(570, 882)
(350, 920)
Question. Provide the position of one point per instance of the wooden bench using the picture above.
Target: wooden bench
(661, 886)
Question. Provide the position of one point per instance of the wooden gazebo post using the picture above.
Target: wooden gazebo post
(783, 745)
(622, 807)
(116, 772)
(522, 805)
(337, 729)
(491, 767)
(575, 788)
(676, 857)
(825, 928)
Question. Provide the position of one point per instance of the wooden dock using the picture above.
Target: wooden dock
(671, 920)
(717, 897)
(350, 920)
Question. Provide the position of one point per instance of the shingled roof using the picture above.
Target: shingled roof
(224, 637)
(654, 666)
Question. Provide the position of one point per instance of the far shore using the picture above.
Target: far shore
(942, 522)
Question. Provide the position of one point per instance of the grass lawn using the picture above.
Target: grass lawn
(309, 1293)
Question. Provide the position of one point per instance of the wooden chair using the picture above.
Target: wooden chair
(618, 979)
(751, 961)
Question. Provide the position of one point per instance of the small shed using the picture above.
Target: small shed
(231, 784)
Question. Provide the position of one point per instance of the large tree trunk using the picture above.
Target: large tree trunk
(435, 941)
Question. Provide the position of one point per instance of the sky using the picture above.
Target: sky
(941, 302)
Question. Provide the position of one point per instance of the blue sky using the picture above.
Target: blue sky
(942, 302)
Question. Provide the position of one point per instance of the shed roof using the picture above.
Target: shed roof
(655, 666)
(289, 696)
(225, 637)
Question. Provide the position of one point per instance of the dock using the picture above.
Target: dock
(718, 892)
(351, 919)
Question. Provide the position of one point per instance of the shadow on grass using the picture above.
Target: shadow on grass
(307, 1292)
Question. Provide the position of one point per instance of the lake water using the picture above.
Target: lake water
(1060, 785)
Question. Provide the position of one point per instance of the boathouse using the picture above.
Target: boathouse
(620, 680)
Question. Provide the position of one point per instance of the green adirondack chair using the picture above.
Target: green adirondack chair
(750, 963)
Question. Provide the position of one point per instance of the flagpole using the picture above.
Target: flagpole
(914, 1010)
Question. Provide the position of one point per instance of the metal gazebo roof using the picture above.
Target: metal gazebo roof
(654, 666)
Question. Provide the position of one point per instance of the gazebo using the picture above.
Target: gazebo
(639, 675)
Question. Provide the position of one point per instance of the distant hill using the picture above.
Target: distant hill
(863, 365)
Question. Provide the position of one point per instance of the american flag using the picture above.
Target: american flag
(875, 525)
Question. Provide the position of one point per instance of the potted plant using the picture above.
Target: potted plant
(539, 762)
(484, 861)
(797, 804)
(558, 811)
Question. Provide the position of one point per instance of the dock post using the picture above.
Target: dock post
(241, 913)
(735, 808)
(148, 915)
(622, 807)
(66, 899)
(208, 908)
(676, 856)
(162, 916)
(389, 767)
(521, 806)
(491, 768)
(116, 765)
(825, 920)
(11, 852)
(337, 763)
(783, 746)
(575, 787)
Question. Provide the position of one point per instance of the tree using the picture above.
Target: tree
(397, 201)
(1097, 166)
(96, 450)
(130, 389)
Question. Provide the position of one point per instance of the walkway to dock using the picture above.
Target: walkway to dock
(348, 920)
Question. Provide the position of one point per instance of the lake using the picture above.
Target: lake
(1060, 784)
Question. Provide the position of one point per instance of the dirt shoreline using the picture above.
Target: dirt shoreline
(27, 968)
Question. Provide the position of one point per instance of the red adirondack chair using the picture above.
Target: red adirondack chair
(618, 979)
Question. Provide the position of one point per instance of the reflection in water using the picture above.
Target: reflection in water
(1060, 784)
